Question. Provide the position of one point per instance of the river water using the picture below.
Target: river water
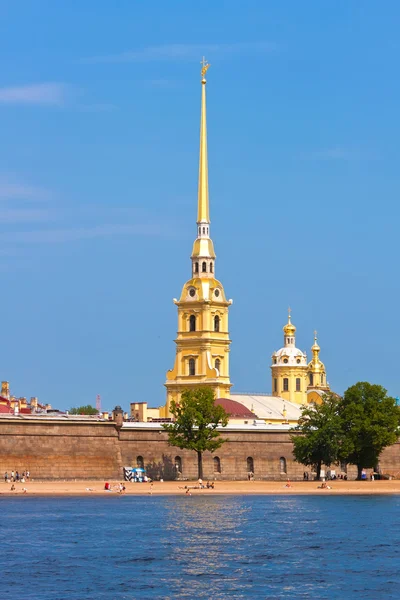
(126, 547)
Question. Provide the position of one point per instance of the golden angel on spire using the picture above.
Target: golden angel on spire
(204, 68)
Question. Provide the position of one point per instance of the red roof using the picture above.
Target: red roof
(235, 409)
(5, 408)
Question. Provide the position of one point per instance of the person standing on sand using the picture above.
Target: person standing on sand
(12, 476)
(6, 477)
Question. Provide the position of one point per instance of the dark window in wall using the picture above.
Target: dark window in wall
(199, 230)
(217, 464)
(216, 323)
(322, 379)
(204, 229)
(211, 267)
(204, 267)
(250, 465)
(218, 364)
(275, 385)
(298, 384)
(192, 366)
(178, 465)
(311, 379)
(192, 323)
(282, 465)
(196, 267)
(286, 384)
(140, 462)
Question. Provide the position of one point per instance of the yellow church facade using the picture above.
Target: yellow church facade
(293, 378)
(203, 342)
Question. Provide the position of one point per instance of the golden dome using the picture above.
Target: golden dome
(289, 328)
(315, 348)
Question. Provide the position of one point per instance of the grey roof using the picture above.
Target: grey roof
(268, 407)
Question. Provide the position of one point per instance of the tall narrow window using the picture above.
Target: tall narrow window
(250, 465)
(282, 465)
(204, 267)
(275, 385)
(322, 379)
(204, 229)
(192, 366)
(140, 462)
(216, 323)
(286, 384)
(217, 465)
(196, 267)
(178, 465)
(218, 364)
(211, 267)
(298, 384)
(192, 323)
(311, 379)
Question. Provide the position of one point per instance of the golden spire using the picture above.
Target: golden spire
(203, 215)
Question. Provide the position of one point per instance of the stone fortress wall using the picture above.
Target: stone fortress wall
(85, 449)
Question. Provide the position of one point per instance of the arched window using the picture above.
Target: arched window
(204, 229)
(192, 366)
(218, 364)
(211, 267)
(298, 384)
(204, 267)
(275, 384)
(192, 323)
(286, 384)
(250, 465)
(140, 462)
(199, 230)
(196, 267)
(178, 465)
(285, 360)
(217, 464)
(311, 379)
(322, 379)
(216, 323)
(282, 465)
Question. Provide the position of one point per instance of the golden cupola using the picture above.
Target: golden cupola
(316, 368)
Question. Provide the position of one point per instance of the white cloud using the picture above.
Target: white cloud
(10, 190)
(54, 236)
(49, 94)
(21, 215)
(339, 153)
(185, 52)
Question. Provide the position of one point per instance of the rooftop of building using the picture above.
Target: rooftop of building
(235, 409)
(268, 407)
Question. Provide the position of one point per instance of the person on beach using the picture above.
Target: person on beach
(27, 475)
(288, 485)
(6, 477)
(16, 476)
(13, 488)
(12, 476)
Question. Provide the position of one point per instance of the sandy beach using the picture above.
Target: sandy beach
(86, 488)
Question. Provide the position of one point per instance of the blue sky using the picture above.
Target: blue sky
(99, 121)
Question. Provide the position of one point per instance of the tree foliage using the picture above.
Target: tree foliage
(196, 420)
(83, 410)
(320, 426)
(354, 429)
(370, 421)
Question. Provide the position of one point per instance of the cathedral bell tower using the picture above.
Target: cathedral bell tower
(202, 343)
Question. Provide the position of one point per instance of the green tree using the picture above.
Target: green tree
(196, 420)
(370, 422)
(83, 410)
(320, 429)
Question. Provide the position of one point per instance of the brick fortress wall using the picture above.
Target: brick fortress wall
(60, 449)
(99, 450)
